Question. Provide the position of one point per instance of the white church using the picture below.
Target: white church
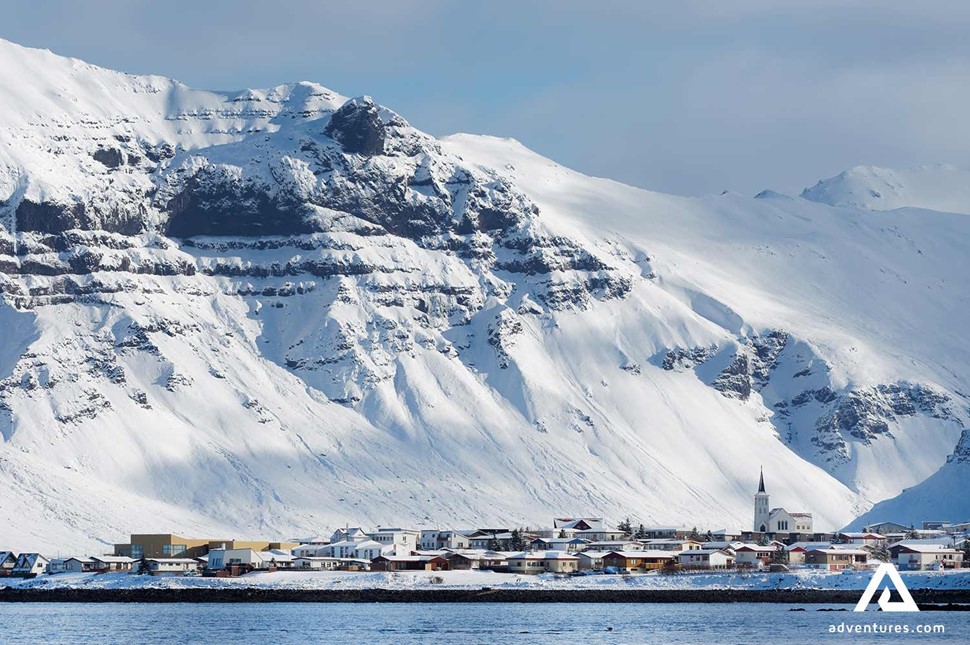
(777, 520)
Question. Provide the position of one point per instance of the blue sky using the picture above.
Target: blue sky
(691, 97)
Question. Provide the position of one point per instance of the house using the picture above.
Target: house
(570, 545)
(78, 565)
(835, 559)
(615, 545)
(277, 558)
(487, 540)
(919, 557)
(777, 520)
(728, 546)
(591, 560)
(438, 539)
(863, 538)
(8, 559)
(370, 549)
(753, 555)
(171, 566)
(341, 549)
(885, 528)
(477, 559)
(236, 561)
(352, 534)
(671, 544)
(936, 525)
(409, 563)
(600, 534)
(663, 532)
(705, 559)
(29, 565)
(108, 563)
(403, 539)
(637, 561)
(796, 553)
(543, 562)
(317, 563)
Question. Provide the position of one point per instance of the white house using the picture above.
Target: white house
(406, 538)
(106, 563)
(705, 559)
(915, 557)
(671, 544)
(313, 540)
(615, 545)
(863, 538)
(373, 549)
(317, 563)
(171, 566)
(29, 565)
(224, 558)
(591, 560)
(434, 539)
(352, 534)
(559, 544)
(753, 555)
(600, 534)
(78, 565)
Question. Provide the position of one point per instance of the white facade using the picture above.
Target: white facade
(317, 563)
(30, 564)
(406, 538)
(777, 520)
(927, 556)
(705, 559)
(172, 566)
(753, 555)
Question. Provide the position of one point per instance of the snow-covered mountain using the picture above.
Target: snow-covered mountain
(941, 188)
(272, 311)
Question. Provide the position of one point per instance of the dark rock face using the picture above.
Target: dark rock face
(358, 127)
(961, 454)
(214, 203)
(735, 379)
(110, 157)
(47, 217)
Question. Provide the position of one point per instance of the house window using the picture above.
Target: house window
(137, 551)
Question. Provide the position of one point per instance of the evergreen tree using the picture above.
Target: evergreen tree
(879, 552)
(641, 533)
(625, 526)
(911, 534)
(763, 540)
(562, 533)
(493, 545)
(694, 534)
(709, 537)
(516, 543)
(781, 555)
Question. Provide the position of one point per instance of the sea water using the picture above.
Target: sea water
(469, 623)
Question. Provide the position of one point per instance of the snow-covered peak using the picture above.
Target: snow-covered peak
(940, 187)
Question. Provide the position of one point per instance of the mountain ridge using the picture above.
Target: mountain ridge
(354, 321)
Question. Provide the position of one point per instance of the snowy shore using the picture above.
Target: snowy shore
(476, 580)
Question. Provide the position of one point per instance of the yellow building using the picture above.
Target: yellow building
(169, 545)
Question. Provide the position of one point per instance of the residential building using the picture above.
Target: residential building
(350, 533)
(109, 563)
(29, 565)
(171, 566)
(705, 559)
(592, 560)
(637, 561)
(476, 559)
(487, 540)
(168, 545)
(863, 538)
(601, 534)
(433, 539)
(671, 544)
(317, 563)
(836, 559)
(886, 528)
(409, 563)
(753, 555)
(78, 565)
(8, 560)
(615, 545)
(404, 539)
(543, 562)
(918, 557)
(570, 545)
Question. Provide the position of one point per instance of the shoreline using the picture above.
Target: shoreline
(483, 595)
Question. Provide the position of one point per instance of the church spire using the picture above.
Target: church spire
(761, 481)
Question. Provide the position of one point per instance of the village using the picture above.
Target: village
(571, 546)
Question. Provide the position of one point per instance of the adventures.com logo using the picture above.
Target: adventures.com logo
(885, 602)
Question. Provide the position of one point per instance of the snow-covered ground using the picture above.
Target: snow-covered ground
(803, 579)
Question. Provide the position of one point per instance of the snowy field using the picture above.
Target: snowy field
(337, 580)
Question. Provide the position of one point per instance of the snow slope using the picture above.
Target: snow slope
(940, 188)
(270, 312)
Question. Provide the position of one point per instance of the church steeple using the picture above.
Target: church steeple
(762, 515)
